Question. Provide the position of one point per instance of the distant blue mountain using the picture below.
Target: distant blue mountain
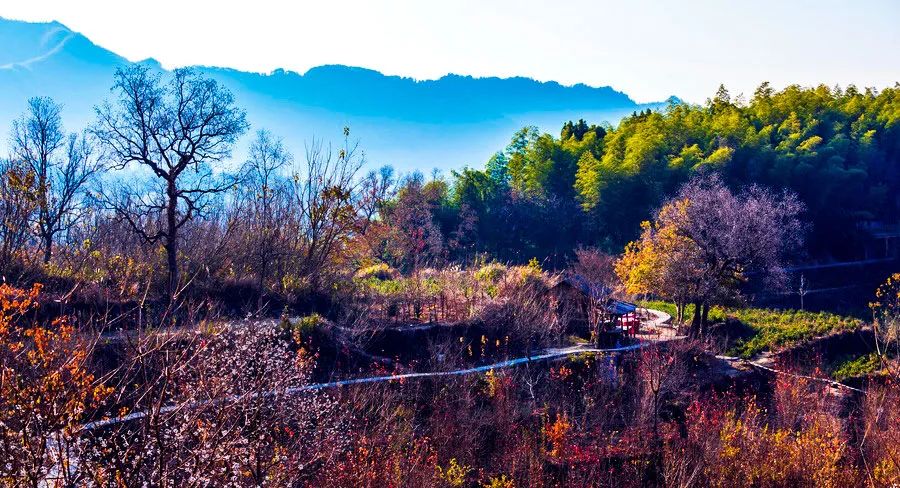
(445, 123)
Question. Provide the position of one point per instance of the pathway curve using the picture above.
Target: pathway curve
(765, 363)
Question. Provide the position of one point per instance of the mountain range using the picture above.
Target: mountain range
(411, 124)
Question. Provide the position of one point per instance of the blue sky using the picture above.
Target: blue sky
(648, 49)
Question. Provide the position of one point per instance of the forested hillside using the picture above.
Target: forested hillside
(838, 149)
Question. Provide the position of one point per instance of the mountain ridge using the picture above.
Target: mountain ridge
(446, 122)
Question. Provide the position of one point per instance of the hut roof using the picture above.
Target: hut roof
(596, 291)
(618, 307)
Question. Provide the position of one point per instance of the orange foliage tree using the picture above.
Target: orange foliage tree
(886, 312)
(663, 261)
(46, 391)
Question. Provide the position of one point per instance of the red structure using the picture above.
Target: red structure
(630, 323)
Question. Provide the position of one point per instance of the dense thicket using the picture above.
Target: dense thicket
(838, 149)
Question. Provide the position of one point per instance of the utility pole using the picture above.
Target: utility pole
(802, 291)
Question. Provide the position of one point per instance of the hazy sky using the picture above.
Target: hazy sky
(648, 49)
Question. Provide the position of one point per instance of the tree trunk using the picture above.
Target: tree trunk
(48, 247)
(44, 225)
(261, 286)
(696, 322)
(171, 243)
(704, 319)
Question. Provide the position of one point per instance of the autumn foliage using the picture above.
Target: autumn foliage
(46, 390)
(226, 406)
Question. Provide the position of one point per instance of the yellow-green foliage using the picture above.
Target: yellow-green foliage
(772, 329)
(416, 289)
(886, 309)
(88, 264)
(530, 273)
(489, 276)
(380, 271)
(775, 329)
(294, 284)
(304, 327)
(455, 474)
(490, 273)
(521, 277)
(501, 481)
(752, 453)
(854, 367)
(384, 287)
(451, 292)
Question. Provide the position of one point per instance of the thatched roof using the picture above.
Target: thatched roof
(595, 291)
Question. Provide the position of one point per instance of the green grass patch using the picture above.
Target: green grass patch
(778, 329)
(716, 314)
(772, 329)
(852, 367)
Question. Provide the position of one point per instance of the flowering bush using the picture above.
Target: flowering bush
(225, 407)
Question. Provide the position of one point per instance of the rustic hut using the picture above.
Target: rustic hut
(588, 309)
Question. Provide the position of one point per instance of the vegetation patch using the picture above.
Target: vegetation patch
(716, 314)
(778, 329)
(855, 366)
(771, 329)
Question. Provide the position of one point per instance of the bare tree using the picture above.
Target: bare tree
(62, 167)
(662, 371)
(594, 265)
(175, 130)
(263, 204)
(886, 322)
(377, 188)
(326, 196)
